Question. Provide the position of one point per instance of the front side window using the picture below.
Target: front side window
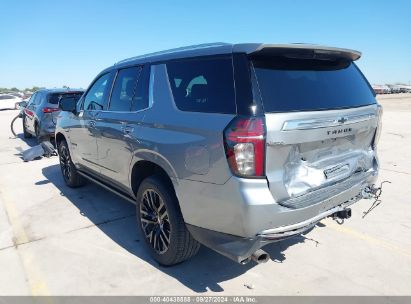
(94, 100)
(124, 89)
(203, 85)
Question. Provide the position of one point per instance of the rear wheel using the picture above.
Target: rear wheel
(71, 177)
(26, 134)
(40, 138)
(161, 223)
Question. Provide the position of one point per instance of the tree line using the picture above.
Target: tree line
(14, 89)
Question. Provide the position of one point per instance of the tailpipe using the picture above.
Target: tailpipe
(260, 256)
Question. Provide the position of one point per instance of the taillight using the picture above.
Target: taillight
(245, 146)
(50, 110)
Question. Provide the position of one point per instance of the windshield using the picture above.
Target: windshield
(293, 84)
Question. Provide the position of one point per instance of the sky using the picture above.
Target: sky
(55, 43)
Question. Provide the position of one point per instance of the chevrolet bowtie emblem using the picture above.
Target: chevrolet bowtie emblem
(342, 120)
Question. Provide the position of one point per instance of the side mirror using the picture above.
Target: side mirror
(68, 104)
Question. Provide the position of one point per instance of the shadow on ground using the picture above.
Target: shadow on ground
(31, 142)
(116, 218)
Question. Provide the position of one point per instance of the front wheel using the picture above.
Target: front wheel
(71, 177)
(161, 223)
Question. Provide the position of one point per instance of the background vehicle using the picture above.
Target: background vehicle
(405, 89)
(378, 89)
(8, 101)
(40, 114)
(386, 89)
(230, 146)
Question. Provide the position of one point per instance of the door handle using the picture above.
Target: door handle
(127, 129)
(92, 124)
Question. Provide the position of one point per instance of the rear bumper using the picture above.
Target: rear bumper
(241, 216)
(47, 128)
(240, 249)
(246, 207)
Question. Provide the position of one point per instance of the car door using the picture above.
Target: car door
(38, 109)
(29, 112)
(83, 138)
(118, 125)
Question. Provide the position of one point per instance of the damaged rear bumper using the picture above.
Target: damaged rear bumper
(240, 248)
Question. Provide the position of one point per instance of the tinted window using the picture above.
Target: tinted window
(124, 89)
(54, 98)
(95, 98)
(203, 85)
(140, 98)
(305, 84)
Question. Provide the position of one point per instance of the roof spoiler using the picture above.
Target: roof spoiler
(298, 51)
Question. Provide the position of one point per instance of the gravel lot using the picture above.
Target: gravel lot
(59, 241)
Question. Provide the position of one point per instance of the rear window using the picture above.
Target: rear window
(54, 98)
(289, 84)
(203, 85)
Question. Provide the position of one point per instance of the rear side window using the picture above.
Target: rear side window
(124, 89)
(289, 84)
(203, 85)
(140, 98)
(54, 98)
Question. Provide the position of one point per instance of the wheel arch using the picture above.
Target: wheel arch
(145, 168)
(59, 138)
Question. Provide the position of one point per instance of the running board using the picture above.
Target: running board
(96, 181)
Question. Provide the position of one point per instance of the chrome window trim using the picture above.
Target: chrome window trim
(112, 87)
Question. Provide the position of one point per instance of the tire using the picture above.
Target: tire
(162, 220)
(37, 133)
(71, 177)
(40, 138)
(26, 134)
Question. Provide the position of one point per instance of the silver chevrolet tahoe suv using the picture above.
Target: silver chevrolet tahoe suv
(232, 146)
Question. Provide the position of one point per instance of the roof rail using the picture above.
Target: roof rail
(175, 50)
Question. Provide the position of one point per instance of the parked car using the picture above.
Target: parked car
(233, 146)
(405, 89)
(386, 89)
(378, 89)
(16, 94)
(8, 101)
(395, 89)
(40, 114)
